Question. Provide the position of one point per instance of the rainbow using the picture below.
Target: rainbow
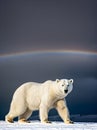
(23, 53)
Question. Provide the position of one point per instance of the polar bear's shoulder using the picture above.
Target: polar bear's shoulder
(30, 83)
(47, 83)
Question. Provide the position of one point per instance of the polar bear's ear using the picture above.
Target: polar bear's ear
(57, 80)
(71, 81)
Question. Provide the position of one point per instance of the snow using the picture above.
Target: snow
(53, 126)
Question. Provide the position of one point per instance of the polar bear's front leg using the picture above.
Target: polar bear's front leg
(63, 111)
(44, 114)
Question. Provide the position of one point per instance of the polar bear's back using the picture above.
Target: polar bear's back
(30, 93)
(25, 93)
(26, 88)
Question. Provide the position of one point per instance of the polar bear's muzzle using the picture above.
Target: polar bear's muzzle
(66, 90)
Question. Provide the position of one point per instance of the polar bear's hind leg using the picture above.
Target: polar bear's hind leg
(23, 118)
(16, 109)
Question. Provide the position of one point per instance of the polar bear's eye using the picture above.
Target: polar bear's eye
(62, 85)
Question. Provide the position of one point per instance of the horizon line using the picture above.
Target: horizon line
(48, 51)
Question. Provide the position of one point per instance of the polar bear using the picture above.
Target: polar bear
(40, 96)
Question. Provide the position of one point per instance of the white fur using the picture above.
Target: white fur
(40, 96)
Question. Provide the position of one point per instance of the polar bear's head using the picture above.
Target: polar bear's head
(65, 86)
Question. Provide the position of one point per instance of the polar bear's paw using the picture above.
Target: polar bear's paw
(8, 119)
(46, 121)
(23, 121)
(69, 122)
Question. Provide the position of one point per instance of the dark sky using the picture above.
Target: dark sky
(40, 25)
(48, 24)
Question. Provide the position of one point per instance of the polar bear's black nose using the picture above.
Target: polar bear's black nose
(65, 91)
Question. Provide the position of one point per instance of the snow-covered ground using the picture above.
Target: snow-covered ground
(53, 126)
